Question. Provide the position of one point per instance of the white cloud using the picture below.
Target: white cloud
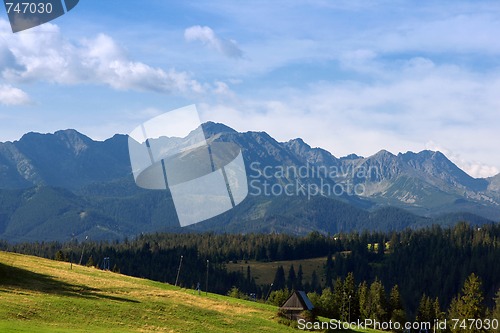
(13, 96)
(350, 79)
(47, 56)
(473, 168)
(415, 102)
(208, 37)
(296, 34)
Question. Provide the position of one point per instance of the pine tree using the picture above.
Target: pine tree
(398, 313)
(291, 280)
(436, 307)
(395, 299)
(235, 293)
(59, 256)
(349, 285)
(339, 299)
(279, 279)
(315, 282)
(350, 297)
(378, 301)
(300, 279)
(364, 301)
(496, 311)
(473, 297)
(468, 305)
(90, 262)
(329, 271)
(425, 311)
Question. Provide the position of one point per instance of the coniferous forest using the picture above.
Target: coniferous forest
(420, 274)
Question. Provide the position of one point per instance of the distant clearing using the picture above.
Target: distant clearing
(263, 272)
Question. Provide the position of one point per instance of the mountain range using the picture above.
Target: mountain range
(65, 185)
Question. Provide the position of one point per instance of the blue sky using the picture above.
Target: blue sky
(347, 76)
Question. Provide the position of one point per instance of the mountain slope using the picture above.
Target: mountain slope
(64, 185)
(66, 159)
(47, 213)
(40, 295)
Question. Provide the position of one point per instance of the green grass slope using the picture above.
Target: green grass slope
(46, 296)
(39, 295)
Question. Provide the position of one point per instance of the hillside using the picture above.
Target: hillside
(54, 214)
(46, 296)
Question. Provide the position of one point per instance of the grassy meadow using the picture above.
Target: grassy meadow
(263, 272)
(45, 296)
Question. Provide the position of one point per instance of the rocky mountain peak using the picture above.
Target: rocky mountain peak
(315, 156)
(422, 180)
(298, 146)
(351, 157)
(211, 129)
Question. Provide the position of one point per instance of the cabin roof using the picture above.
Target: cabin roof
(298, 300)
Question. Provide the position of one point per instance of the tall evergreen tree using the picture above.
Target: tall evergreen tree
(339, 299)
(300, 279)
(496, 311)
(315, 282)
(350, 310)
(425, 311)
(378, 301)
(329, 271)
(279, 282)
(59, 256)
(349, 285)
(468, 305)
(364, 301)
(90, 262)
(291, 280)
(396, 309)
(438, 314)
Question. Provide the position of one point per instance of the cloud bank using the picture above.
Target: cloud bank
(416, 102)
(47, 56)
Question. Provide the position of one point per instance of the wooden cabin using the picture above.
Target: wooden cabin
(295, 305)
